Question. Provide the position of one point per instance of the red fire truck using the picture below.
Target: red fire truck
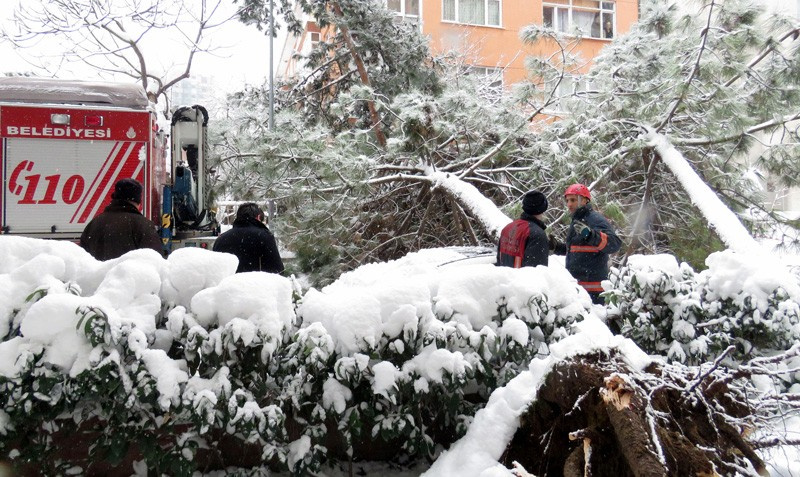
(65, 144)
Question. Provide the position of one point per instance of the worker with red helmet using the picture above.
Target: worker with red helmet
(590, 240)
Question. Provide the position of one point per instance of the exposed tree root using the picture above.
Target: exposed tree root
(594, 415)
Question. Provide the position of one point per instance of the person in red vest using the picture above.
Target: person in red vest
(590, 240)
(523, 242)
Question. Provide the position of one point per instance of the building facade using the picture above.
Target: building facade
(197, 89)
(777, 196)
(485, 33)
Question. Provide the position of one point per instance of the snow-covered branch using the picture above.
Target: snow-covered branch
(119, 36)
(718, 215)
(684, 88)
(733, 137)
(478, 205)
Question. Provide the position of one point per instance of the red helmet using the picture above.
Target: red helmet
(578, 189)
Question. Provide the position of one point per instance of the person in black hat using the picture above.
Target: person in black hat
(121, 227)
(251, 241)
(523, 242)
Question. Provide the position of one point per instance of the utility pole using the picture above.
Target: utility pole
(271, 70)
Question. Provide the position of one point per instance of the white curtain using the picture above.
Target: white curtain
(472, 11)
(587, 22)
(449, 10)
(563, 19)
(494, 13)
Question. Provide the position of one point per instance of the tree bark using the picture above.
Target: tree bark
(362, 71)
(593, 415)
(625, 411)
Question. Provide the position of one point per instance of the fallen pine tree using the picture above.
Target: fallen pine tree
(598, 405)
(596, 415)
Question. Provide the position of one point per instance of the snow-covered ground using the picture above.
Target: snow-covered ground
(358, 308)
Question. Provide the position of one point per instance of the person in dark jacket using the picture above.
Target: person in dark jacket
(251, 241)
(523, 242)
(121, 227)
(590, 240)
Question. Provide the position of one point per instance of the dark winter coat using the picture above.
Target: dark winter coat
(254, 244)
(118, 230)
(587, 259)
(523, 243)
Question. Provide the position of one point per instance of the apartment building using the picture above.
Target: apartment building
(777, 196)
(197, 89)
(485, 33)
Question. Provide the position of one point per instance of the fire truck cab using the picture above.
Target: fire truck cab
(64, 144)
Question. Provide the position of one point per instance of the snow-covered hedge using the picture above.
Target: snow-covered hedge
(745, 301)
(172, 360)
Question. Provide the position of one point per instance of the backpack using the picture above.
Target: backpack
(513, 239)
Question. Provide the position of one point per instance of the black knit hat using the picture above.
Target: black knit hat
(128, 189)
(534, 203)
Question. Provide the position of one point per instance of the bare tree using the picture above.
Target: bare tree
(122, 37)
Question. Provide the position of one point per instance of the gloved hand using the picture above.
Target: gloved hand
(580, 212)
(552, 243)
(583, 230)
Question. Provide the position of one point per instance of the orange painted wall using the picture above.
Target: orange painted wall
(501, 46)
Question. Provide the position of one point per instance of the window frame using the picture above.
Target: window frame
(491, 80)
(568, 6)
(402, 11)
(486, 14)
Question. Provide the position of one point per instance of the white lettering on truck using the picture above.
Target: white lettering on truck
(58, 132)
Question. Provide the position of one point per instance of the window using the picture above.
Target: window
(490, 81)
(406, 8)
(567, 90)
(473, 12)
(406, 11)
(573, 84)
(591, 18)
(313, 38)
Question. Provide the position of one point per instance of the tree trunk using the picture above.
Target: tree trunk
(625, 412)
(362, 71)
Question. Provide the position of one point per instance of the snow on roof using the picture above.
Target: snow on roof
(22, 89)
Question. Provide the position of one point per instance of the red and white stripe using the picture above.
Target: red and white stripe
(120, 158)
